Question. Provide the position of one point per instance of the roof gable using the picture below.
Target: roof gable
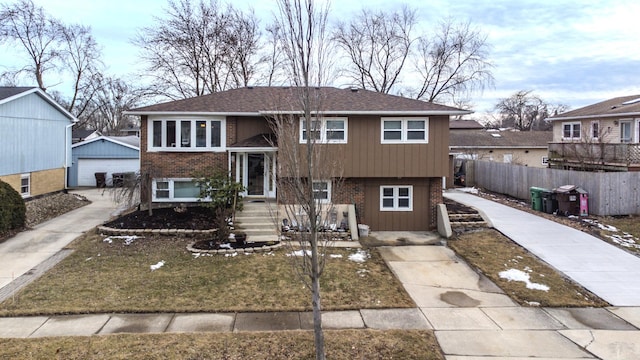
(8, 94)
(619, 106)
(132, 142)
(269, 100)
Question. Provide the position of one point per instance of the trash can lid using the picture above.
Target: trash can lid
(565, 188)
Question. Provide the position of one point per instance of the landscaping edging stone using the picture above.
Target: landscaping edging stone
(187, 232)
(266, 248)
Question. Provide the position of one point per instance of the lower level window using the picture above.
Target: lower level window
(322, 191)
(168, 190)
(396, 198)
(25, 185)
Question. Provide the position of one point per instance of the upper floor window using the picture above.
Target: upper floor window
(324, 130)
(571, 131)
(595, 130)
(626, 135)
(396, 198)
(186, 135)
(404, 130)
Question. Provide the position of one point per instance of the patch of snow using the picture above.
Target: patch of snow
(360, 256)
(470, 190)
(336, 256)
(601, 226)
(627, 240)
(128, 239)
(234, 254)
(225, 246)
(157, 266)
(533, 303)
(299, 253)
(519, 275)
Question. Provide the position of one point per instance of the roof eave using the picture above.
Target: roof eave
(598, 116)
(266, 112)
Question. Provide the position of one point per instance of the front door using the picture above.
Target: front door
(256, 172)
(255, 175)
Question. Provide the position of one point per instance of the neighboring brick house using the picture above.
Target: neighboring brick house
(35, 141)
(601, 137)
(394, 150)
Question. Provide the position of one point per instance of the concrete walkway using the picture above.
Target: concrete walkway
(473, 320)
(34, 251)
(605, 270)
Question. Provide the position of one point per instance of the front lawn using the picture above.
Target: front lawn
(103, 277)
(340, 344)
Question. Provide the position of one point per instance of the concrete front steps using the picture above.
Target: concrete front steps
(256, 220)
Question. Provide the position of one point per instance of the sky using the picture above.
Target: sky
(574, 52)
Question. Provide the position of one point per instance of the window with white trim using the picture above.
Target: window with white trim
(396, 198)
(25, 185)
(325, 130)
(186, 134)
(626, 134)
(404, 130)
(571, 131)
(595, 130)
(168, 190)
(322, 191)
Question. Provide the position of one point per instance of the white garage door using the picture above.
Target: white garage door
(88, 167)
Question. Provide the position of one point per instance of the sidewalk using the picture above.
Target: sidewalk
(605, 270)
(37, 250)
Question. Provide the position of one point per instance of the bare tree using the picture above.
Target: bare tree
(377, 46)
(52, 47)
(113, 98)
(525, 110)
(452, 63)
(304, 41)
(81, 57)
(38, 34)
(199, 48)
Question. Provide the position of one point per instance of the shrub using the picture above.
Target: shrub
(219, 191)
(12, 208)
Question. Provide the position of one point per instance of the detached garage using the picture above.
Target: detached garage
(104, 154)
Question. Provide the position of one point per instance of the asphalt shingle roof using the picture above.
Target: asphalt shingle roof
(624, 105)
(507, 139)
(9, 91)
(288, 99)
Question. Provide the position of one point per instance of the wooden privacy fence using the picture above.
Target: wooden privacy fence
(610, 193)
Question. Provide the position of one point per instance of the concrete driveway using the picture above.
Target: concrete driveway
(472, 318)
(34, 250)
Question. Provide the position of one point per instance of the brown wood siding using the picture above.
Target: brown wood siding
(417, 220)
(364, 156)
(248, 127)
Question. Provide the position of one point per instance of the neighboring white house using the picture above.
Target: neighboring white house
(104, 154)
(35, 141)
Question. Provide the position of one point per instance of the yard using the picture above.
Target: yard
(106, 275)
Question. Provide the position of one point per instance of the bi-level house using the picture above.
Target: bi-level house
(35, 141)
(601, 137)
(393, 150)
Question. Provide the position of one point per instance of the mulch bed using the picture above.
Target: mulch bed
(195, 218)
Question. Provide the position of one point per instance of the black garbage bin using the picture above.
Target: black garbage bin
(549, 202)
(101, 179)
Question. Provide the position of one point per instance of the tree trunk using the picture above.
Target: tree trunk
(315, 299)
